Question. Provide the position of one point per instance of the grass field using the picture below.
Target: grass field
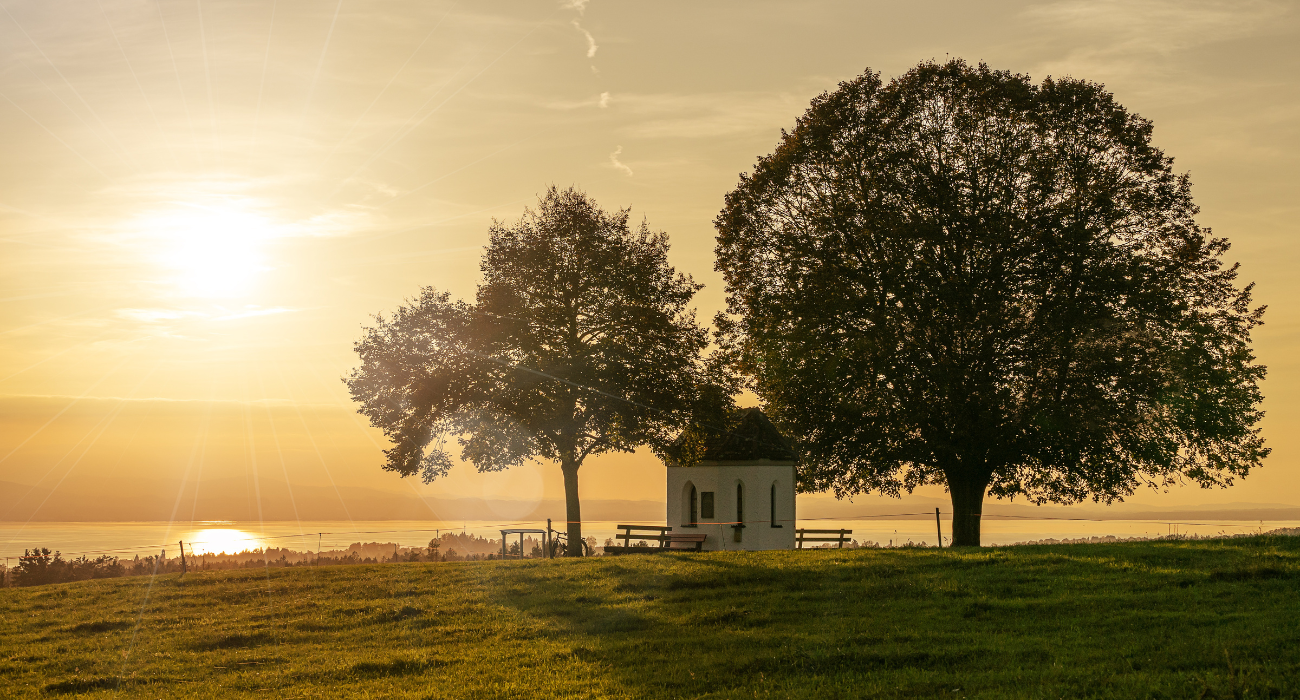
(1189, 619)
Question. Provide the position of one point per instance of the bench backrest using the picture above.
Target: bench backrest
(631, 532)
(840, 536)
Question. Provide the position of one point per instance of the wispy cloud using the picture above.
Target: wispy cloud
(1159, 25)
(618, 165)
(604, 100)
(661, 115)
(579, 5)
(591, 40)
(1120, 31)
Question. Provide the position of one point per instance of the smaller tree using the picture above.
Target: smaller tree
(581, 342)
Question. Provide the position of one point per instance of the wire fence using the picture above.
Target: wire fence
(261, 542)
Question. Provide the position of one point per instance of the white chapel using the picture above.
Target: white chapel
(741, 493)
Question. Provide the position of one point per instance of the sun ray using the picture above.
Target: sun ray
(383, 91)
(143, 95)
(65, 409)
(261, 85)
(55, 136)
(120, 148)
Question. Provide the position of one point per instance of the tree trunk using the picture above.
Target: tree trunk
(967, 509)
(573, 507)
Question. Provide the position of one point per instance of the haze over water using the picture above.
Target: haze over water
(126, 540)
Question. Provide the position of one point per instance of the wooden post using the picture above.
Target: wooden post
(319, 535)
(183, 567)
(549, 553)
(503, 544)
(938, 527)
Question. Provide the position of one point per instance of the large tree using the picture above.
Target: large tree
(964, 278)
(580, 342)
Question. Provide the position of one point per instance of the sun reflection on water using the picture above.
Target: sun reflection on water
(222, 540)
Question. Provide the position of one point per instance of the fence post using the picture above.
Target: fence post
(550, 552)
(183, 567)
(938, 527)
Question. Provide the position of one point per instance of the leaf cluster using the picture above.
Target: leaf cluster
(964, 277)
(581, 341)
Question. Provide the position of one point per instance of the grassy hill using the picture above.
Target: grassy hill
(1190, 619)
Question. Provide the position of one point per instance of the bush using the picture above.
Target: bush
(39, 566)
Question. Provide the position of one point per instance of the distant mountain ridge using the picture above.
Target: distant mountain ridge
(234, 499)
(237, 499)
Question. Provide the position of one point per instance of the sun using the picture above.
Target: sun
(222, 540)
(209, 251)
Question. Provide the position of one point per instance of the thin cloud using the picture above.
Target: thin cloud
(604, 100)
(676, 116)
(1123, 37)
(591, 40)
(579, 5)
(618, 165)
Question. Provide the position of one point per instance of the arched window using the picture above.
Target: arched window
(772, 519)
(692, 512)
(740, 503)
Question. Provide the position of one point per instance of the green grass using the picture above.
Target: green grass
(1185, 619)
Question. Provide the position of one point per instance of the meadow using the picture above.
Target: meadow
(1166, 619)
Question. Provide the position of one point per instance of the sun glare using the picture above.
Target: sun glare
(210, 252)
(219, 540)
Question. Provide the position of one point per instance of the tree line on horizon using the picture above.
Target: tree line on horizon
(41, 566)
(957, 277)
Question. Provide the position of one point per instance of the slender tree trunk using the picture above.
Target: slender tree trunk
(967, 509)
(573, 507)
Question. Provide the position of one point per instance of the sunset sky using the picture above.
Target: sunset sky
(203, 203)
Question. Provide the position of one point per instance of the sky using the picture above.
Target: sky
(203, 203)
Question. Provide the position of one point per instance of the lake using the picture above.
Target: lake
(126, 539)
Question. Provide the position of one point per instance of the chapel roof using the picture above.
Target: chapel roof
(754, 437)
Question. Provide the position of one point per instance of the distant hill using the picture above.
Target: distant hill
(108, 500)
(91, 500)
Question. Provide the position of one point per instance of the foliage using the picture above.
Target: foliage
(964, 278)
(1150, 620)
(580, 342)
(39, 566)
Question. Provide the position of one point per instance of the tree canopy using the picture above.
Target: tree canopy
(961, 277)
(580, 342)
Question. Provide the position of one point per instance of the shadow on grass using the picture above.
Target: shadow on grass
(74, 686)
(100, 626)
(233, 641)
(1055, 617)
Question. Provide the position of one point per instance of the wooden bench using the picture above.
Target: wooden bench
(630, 532)
(663, 539)
(655, 535)
(687, 542)
(840, 536)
